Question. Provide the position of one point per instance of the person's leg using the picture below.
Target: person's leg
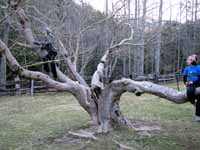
(53, 69)
(197, 113)
(191, 93)
(46, 65)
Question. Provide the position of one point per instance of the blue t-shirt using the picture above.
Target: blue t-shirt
(192, 73)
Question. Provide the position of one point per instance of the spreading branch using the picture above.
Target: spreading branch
(31, 40)
(79, 91)
(140, 87)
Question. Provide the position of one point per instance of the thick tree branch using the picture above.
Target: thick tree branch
(70, 66)
(29, 37)
(108, 103)
(98, 74)
(81, 92)
(139, 87)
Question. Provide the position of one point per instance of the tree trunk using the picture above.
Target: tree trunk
(158, 41)
(3, 72)
(141, 49)
(2, 56)
(106, 7)
(129, 9)
(135, 50)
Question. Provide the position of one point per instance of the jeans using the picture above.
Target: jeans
(191, 96)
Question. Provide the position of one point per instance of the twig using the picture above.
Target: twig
(44, 62)
(84, 134)
(122, 146)
(23, 45)
(122, 42)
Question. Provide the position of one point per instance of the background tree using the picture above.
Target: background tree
(5, 33)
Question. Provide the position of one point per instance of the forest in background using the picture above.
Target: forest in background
(158, 46)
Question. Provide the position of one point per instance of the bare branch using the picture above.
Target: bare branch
(41, 63)
(78, 90)
(97, 78)
(98, 74)
(101, 21)
(29, 37)
(6, 17)
(23, 45)
(122, 42)
(70, 66)
(140, 87)
(89, 27)
(122, 146)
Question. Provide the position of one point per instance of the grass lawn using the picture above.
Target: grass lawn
(36, 123)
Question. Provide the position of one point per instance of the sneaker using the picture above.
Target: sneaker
(197, 118)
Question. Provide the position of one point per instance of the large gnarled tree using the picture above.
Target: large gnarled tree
(101, 100)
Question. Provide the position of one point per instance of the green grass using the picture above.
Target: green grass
(33, 123)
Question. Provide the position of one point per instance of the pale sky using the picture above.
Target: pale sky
(151, 13)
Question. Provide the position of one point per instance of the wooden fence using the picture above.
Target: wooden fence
(25, 86)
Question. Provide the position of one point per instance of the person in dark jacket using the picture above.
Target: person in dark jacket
(191, 78)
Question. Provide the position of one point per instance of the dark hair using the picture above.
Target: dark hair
(195, 56)
(194, 63)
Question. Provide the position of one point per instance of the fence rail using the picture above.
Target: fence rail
(24, 86)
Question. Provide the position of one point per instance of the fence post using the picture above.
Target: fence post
(32, 87)
(155, 78)
(17, 85)
(177, 80)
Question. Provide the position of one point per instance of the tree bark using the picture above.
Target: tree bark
(141, 49)
(158, 41)
(2, 56)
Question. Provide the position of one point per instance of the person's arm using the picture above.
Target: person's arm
(198, 80)
(185, 75)
(184, 79)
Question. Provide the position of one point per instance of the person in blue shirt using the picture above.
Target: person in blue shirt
(191, 78)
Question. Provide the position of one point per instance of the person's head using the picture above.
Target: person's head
(195, 57)
(192, 60)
